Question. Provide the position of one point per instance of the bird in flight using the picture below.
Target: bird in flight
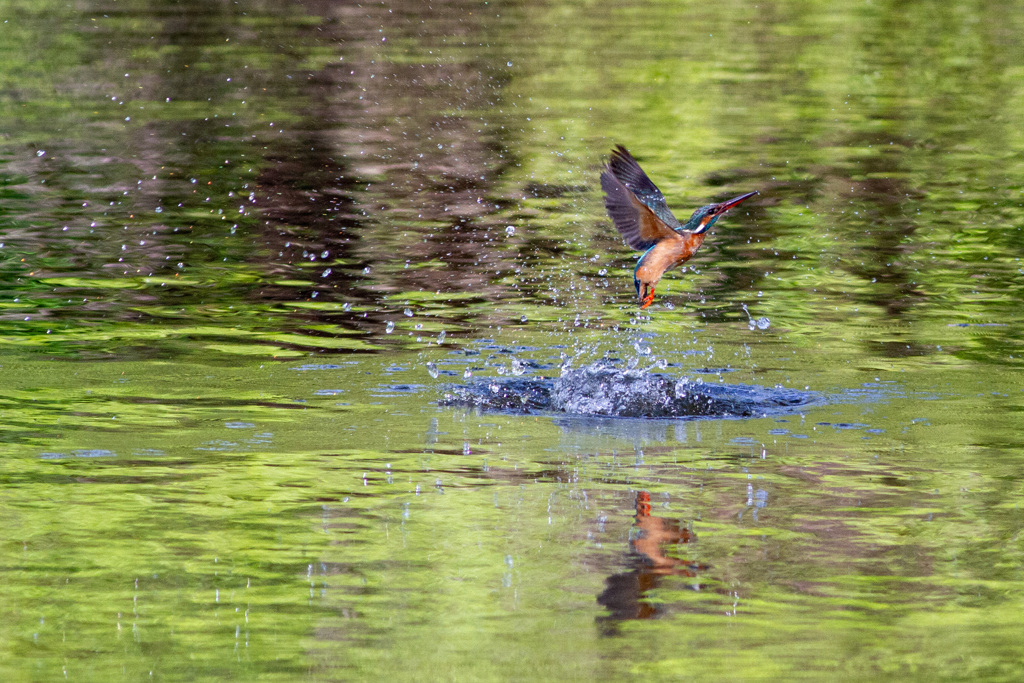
(638, 209)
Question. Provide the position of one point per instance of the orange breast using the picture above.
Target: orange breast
(691, 243)
(668, 254)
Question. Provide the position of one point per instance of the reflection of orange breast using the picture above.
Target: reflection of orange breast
(656, 532)
(668, 254)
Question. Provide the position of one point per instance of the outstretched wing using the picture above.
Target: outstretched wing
(635, 204)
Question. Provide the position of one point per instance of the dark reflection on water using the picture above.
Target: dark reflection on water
(282, 162)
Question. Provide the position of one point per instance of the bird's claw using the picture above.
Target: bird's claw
(647, 299)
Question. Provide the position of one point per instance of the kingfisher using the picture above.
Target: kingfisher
(638, 209)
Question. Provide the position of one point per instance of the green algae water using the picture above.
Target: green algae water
(249, 251)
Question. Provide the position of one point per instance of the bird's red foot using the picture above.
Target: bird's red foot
(648, 299)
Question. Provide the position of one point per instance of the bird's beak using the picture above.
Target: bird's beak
(725, 206)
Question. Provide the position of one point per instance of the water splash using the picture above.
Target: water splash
(600, 389)
(759, 324)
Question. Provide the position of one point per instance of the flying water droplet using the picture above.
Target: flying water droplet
(390, 327)
(759, 324)
(467, 373)
(407, 313)
(440, 338)
(518, 367)
(432, 370)
(346, 307)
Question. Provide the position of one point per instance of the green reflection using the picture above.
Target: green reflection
(233, 236)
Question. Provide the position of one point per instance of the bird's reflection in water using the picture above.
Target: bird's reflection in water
(625, 593)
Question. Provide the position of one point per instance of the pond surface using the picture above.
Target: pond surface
(284, 285)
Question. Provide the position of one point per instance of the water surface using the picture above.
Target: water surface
(248, 249)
